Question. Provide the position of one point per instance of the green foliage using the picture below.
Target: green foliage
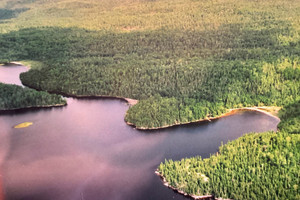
(171, 64)
(203, 63)
(15, 97)
(290, 118)
(165, 111)
(255, 166)
(140, 15)
(184, 60)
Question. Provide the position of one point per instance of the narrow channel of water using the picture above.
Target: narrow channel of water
(9, 74)
(85, 151)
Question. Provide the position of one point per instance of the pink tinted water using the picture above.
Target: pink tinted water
(86, 151)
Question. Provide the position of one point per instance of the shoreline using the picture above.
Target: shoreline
(261, 109)
(33, 107)
(165, 183)
(14, 64)
(27, 107)
(130, 102)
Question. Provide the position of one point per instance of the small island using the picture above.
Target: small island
(23, 125)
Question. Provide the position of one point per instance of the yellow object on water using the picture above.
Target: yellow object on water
(23, 125)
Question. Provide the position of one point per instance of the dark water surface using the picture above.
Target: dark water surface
(85, 151)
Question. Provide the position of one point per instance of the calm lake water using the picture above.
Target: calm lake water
(9, 74)
(85, 151)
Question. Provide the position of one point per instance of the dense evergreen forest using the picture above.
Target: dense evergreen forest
(202, 71)
(184, 60)
(290, 118)
(255, 166)
(219, 55)
(16, 97)
(181, 65)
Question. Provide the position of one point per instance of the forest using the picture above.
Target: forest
(184, 60)
(290, 118)
(195, 68)
(249, 56)
(246, 57)
(255, 166)
(15, 97)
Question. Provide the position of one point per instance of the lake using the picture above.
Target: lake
(85, 150)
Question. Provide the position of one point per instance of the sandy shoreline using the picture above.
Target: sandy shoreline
(131, 102)
(262, 109)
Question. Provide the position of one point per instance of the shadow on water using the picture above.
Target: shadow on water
(191, 126)
(20, 111)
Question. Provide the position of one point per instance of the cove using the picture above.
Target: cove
(86, 151)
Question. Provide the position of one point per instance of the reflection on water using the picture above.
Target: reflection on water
(86, 151)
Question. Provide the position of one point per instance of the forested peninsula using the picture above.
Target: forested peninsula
(14, 97)
(255, 166)
(184, 60)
